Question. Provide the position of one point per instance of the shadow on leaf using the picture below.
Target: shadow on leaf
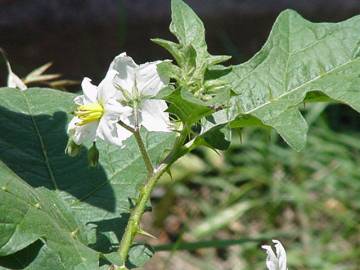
(33, 147)
(109, 229)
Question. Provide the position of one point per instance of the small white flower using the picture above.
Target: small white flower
(138, 85)
(278, 261)
(97, 114)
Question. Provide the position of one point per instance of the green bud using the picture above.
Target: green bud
(72, 149)
(93, 156)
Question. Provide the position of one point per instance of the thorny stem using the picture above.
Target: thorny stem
(133, 225)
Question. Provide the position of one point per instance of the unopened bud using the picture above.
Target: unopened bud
(93, 156)
(72, 149)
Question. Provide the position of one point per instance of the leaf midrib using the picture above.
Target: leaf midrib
(300, 86)
(42, 144)
(62, 227)
(66, 227)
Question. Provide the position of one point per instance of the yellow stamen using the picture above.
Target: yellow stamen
(88, 113)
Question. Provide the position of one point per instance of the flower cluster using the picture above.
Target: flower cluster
(123, 101)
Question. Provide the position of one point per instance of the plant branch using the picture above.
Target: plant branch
(121, 123)
(141, 145)
(133, 225)
(144, 153)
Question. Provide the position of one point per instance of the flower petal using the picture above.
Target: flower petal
(110, 131)
(89, 90)
(125, 68)
(107, 89)
(281, 254)
(148, 80)
(13, 81)
(154, 117)
(72, 126)
(112, 106)
(271, 260)
(80, 100)
(81, 134)
(123, 133)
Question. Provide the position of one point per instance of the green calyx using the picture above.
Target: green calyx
(72, 149)
(93, 156)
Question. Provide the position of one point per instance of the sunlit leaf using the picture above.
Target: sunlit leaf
(299, 57)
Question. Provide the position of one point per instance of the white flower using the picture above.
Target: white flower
(123, 95)
(97, 114)
(278, 261)
(138, 85)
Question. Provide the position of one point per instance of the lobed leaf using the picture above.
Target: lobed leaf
(299, 59)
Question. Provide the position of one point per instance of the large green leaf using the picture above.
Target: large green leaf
(300, 57)
(32, 141)
(29, 214)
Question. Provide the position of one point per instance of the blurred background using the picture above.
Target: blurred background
(225, 204)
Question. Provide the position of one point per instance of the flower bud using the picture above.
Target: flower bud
(93, 156)
(72, 149)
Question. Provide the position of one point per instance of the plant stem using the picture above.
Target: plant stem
(121, 123)
(142, 148)
(144, 153)
(133, 225)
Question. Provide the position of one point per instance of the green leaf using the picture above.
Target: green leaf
(190, 53)
(187, 26)
(139, 254)
(32, 143)
(217, 59)
(29, 215)
(189, 109)
(299, 58)
(218, 137)
(166, 68)
(172, 47)
(189, 30)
